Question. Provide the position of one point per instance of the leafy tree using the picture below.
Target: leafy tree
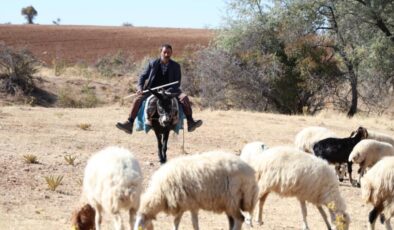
(339, 31)
(29, 12)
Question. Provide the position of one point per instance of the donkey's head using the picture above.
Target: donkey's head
(165, 107)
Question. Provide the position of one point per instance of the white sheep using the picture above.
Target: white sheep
(213, 181)
(380, 137)
(368, 151)
(307, 137)
(290, 172)
(112, 182)
(252, 150)
(377, 188)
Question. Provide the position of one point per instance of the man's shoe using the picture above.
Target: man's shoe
(126, 126)
(193, 125)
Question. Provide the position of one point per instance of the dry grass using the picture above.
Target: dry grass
(30, 158)
(28, 204)
(53, 181)
(70, 159)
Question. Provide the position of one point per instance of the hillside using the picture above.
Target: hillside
(88, 43)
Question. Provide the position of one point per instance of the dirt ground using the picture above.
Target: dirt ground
(87, 44)
(52, 133)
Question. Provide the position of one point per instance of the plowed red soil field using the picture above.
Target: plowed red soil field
(88, 43)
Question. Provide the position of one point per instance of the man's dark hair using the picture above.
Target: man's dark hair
(167, 46)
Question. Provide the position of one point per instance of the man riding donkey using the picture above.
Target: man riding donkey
(160, 71)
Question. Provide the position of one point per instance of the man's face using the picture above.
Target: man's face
(165, 54)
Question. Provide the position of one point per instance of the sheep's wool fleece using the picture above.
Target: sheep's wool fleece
(290, 172)
(378, 183)
(251, 150)
(215, 181)
(112, 178)
(376, 150)
(307, 137)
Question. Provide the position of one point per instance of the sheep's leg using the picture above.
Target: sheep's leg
(304, 214)
(238, 219)
(388, 224)
(117, 221)
(132, 213)
(165, 141)
(97, 217)
(338, 171)
(261, 205)
(195, 220)
(177, 220)
(349, 169)
(230, 221)
(323, 214)
(373, 214)
(159, 146)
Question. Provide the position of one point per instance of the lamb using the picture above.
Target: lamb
(367, 152)
(337, 150)
(214, 181)
(377, 188)
(307, 137)
(290, 172)
(112, 181)
(252, 150)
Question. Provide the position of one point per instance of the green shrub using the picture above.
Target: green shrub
(17, 68)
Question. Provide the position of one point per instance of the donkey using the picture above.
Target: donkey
(164, 120)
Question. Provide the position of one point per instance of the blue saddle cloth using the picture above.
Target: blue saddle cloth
(140, 121)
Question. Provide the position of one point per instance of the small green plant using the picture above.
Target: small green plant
(70, 159)
(84, 126)
(53, 182)
(30, 158)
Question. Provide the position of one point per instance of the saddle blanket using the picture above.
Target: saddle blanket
(142, 122)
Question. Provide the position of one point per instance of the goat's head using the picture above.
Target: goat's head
(164, 107)
(83, 218)
(360, 132)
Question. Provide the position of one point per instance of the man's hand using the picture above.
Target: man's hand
(139, 92)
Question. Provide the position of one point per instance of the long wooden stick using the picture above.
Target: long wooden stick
(158, 87)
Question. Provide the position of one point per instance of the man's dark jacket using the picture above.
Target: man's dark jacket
(150, 72)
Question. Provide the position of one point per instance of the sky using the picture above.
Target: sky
(150, 13)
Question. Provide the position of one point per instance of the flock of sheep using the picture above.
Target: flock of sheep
(223, 182)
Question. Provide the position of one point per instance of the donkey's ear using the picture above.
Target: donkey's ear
(158, 95)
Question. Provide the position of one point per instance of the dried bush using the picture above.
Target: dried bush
(17, 68)
(114, 65)
(70, 159)
(30, 158)
(53, 181)
(87, 98)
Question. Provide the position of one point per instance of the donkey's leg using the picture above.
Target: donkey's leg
(166, 134)
(159, 145)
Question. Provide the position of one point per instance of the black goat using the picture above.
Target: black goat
(337, 150)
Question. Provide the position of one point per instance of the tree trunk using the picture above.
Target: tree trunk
(353, 85)
(353, 82)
